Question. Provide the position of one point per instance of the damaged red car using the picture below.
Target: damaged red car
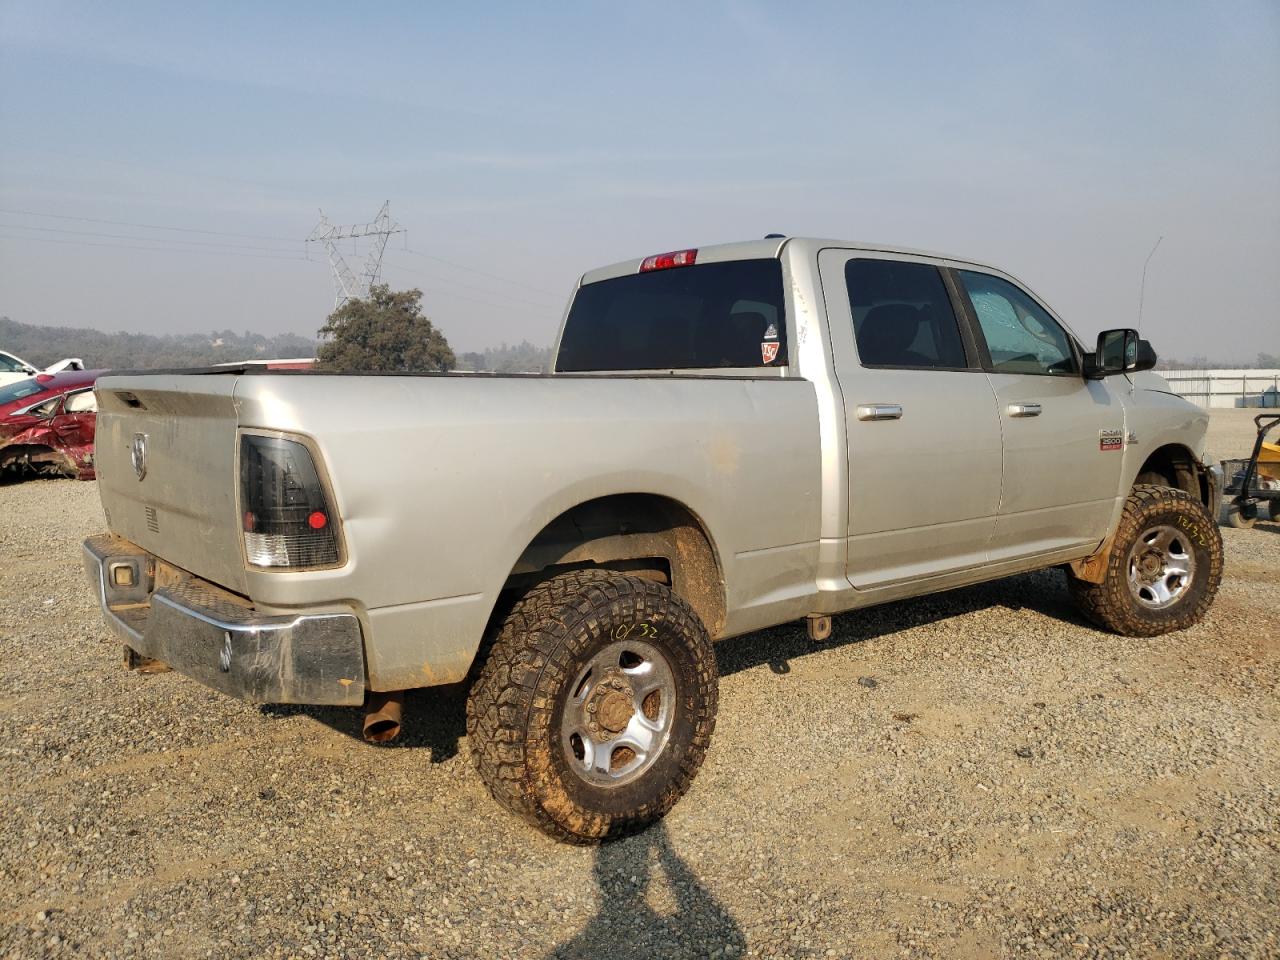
(47, 424)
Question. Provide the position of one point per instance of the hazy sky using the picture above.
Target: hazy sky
(534, 141)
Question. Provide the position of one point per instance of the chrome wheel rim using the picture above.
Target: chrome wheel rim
(619, 713)
(1162, 566)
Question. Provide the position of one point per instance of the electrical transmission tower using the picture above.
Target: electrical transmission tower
(346, 285)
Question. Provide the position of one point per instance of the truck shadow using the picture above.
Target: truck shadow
(435, 718)
(627, 925)
(1265, 526)
(1043, 591)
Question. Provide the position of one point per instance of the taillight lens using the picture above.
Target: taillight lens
(285, 518)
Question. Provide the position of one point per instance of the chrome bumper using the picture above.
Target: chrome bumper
(219, 639)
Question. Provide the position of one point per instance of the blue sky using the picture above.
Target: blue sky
(531, 142)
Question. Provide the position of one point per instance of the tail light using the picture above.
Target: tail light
(665, 261)
(285, 516)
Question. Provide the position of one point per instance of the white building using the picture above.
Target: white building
(1226, 388)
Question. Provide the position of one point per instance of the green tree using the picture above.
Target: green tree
(384, 333)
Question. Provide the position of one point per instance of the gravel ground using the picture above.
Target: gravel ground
(967, 775)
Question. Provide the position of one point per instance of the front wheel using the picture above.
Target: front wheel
(1164, 568)
(595, 705)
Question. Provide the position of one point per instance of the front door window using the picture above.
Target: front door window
(1020, 334)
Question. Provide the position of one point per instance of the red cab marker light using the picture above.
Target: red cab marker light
(317, 520)
(665, 261)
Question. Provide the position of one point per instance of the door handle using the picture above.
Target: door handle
(1024, 409)
(880, 411)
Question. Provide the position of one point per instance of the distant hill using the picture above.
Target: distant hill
(523, 357)
(43, 346)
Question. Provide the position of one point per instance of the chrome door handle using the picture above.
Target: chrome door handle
(1024, 409)
(880, 411)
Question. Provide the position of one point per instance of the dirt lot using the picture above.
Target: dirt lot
(969, 775)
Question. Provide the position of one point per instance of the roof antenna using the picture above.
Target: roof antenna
(1142, 291)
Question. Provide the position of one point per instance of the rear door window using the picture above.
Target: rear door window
(902, 315)
(707, 316)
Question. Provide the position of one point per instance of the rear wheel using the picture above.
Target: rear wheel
(595, 705)
(1164, 568)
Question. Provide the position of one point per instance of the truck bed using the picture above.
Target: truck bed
(442, 481)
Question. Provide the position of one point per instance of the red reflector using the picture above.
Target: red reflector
(317, 520)
(250, 521)
(43, 377)
(665, 261)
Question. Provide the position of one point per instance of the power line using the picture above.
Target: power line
(435, 290)
(476, 287)
(255, 236)
(148, 226)
(125, 236)
(126, 246)
(491, 276)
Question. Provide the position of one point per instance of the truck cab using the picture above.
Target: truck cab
(965, 431)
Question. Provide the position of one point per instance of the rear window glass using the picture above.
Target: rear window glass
(20, 390)
(710, 315)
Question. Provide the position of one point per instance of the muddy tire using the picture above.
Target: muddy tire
(595, 705)
(1164, 568)
(1236, 518)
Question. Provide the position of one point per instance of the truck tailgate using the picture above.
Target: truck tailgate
(166, 462)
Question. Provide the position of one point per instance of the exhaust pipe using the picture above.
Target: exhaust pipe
(382, 715)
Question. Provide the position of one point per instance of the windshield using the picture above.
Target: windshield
(20, 390)
(711, 315)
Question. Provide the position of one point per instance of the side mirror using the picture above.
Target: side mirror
(1119, 351)
(29, 371)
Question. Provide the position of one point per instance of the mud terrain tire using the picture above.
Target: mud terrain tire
(565, 647)
(1156, 521)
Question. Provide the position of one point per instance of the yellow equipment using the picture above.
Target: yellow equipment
(1269, 461)
(1254, 484)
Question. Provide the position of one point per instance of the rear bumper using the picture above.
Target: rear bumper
(219, 639)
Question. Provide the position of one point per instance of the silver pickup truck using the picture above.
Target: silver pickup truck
(733, 437)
